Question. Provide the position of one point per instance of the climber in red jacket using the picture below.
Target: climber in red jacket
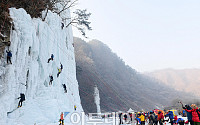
(61, 119)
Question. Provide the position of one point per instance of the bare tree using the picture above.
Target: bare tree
(66, 5)
(80, 21)
(52, 5)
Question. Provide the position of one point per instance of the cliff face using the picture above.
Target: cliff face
(32, 43)
(120, 87)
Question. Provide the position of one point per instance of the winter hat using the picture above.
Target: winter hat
(194, 106)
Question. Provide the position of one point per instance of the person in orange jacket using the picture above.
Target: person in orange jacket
(61, 119)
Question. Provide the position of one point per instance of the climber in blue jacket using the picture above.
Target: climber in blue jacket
(9, 55)
(61, 66)
(52, 56)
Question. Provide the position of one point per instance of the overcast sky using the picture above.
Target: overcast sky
(148, 34)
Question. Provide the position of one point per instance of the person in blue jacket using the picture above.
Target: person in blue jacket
(180, 121)
(61, 66)
(184, 113)
(138, 119)
(52, 56)
(171, 116)
(9, 55)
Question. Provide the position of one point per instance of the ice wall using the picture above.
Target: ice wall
(32, 43)
(97, 99)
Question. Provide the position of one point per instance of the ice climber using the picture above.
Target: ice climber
(75, 107)
(52, 56)
(65, 88)
(61, 66)
(59, 71)
(51, 80)
(62, 25)
(22, 98)
(9, 55)
(61, 119)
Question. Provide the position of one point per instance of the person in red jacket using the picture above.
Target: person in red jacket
(61, 119)
(175, 118)
(160, 117)
(195, 116)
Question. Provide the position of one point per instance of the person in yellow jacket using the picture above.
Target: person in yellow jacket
(59, 71)
(142, 119)
(75, 107)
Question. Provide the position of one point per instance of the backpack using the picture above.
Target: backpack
(61, 66)
(9, 54)
(52, 56)
(22, 96)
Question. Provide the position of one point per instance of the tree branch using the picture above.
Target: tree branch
(71, 23)
(65, 8)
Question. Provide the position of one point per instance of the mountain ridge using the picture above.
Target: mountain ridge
(119, 85)
(185, 80)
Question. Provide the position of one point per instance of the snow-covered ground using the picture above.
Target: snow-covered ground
(32, 43)
(116, 121)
